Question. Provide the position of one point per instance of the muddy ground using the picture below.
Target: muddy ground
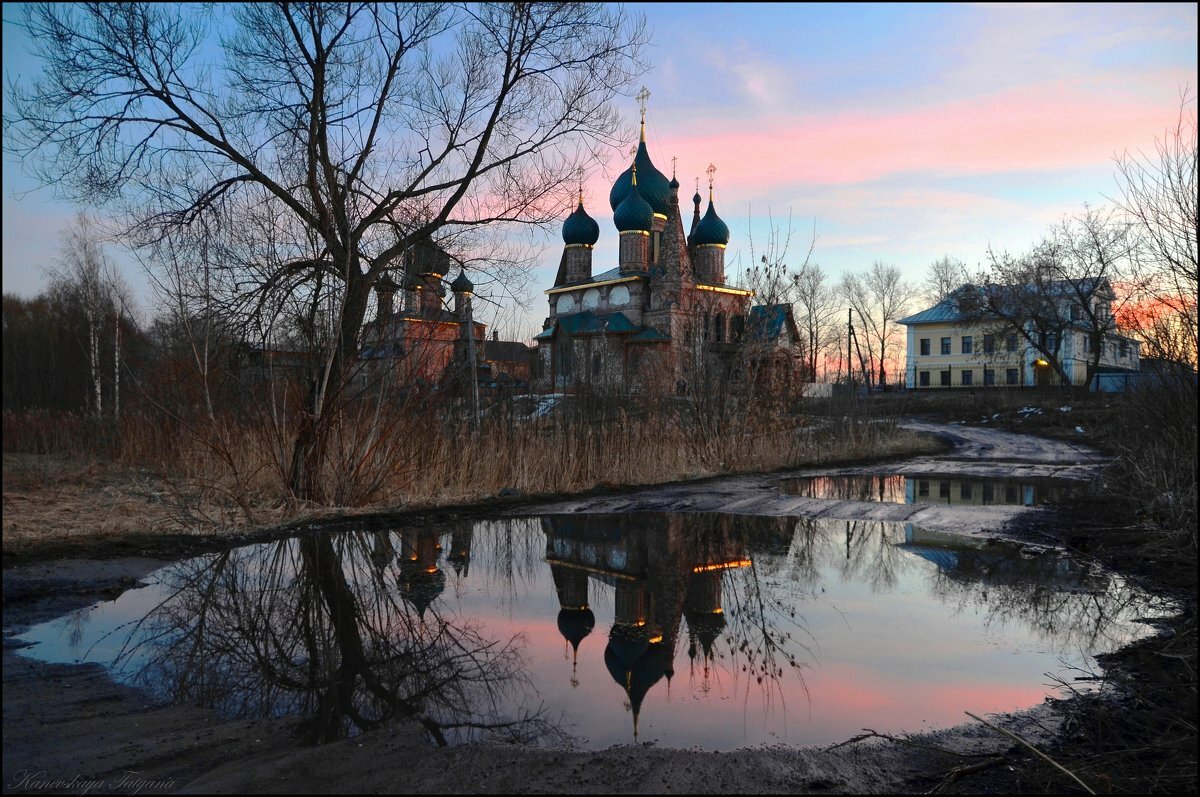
(71, 729)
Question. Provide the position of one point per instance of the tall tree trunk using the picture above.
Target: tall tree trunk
(117, 369)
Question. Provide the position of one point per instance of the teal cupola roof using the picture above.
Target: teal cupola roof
(710, 230)
(634, 213)
(580, 228)
(461, 284)
(652, 183)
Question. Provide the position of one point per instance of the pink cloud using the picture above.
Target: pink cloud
(1046, 126)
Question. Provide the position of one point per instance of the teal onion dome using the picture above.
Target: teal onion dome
(461, 284)
(634, 212)
(651, 183)
(710, 230)
(580, 228)
(674, 184)
(696, 198)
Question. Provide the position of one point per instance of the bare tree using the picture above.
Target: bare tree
(356, 130)
(946, 274)
(87, 277)
(1158, 192)
(818, 313)
(879, 297)
(1063, 287)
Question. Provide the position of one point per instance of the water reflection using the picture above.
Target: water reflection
(929, 489)
(797, 630)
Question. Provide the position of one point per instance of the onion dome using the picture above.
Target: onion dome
(710, 230)
(634, 213)
(580, 228)
(651, 182)
(674, 183)
(461, 284)
(696, 198)
(575, 624)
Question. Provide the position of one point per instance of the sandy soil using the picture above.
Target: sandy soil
(70, 728)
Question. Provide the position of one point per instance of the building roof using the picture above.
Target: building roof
(945, 310)
(768, 321)
(589, 322)
(505, 351)
(649, 335)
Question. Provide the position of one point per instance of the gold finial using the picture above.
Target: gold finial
(579, 177)
(635, 172)
(710, 171)
(641, 98)
(697, 185)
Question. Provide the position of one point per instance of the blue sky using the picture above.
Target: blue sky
(904, 132)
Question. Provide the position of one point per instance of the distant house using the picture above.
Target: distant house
(950, 346)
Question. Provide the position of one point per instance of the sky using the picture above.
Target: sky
(899, 133)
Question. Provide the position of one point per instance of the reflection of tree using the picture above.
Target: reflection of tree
(317, 626)
(1065, 603)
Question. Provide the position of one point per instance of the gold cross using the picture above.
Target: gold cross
(641, 98)
(710, 171)
(673, 159)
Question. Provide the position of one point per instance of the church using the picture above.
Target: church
(663, 319)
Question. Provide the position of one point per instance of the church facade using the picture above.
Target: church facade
(663, 318)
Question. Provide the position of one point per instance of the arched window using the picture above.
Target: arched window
(565, 304)
(591, 299)
(618, 295)
(719, 328)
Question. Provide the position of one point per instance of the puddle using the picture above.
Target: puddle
(929, 489)
(687, 630)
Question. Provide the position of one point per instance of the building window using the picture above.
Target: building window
(989, 344)
(989, 377)
(922, 488)
(1010, 376)
(924, 379)
(719, 328)
(967, 380)
(945, 378)
(1087, 343)
(945, 345)
(1076, 312)
(989, 493)
(597, 365)
(943, 490)
(1124, 349)
(737, 327)
(967, 344)
(925, 346)
(1010, 343)
(964, 491)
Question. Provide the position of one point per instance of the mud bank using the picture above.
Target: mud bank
(72, 729)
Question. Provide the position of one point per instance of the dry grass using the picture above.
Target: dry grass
(70, 481)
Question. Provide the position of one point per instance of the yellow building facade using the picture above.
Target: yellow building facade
(946, 351)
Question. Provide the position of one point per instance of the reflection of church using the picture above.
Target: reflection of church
(667, 571)
(664, 315)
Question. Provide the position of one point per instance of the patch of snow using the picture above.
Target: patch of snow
(1079, 429)
(1064, 409)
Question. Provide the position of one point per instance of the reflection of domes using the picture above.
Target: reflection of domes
(575, 624)
(637, 677)
(627, 643)
(580, 228)
(705, 627)
(710, 230)
(651, 183)
(419, 586)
